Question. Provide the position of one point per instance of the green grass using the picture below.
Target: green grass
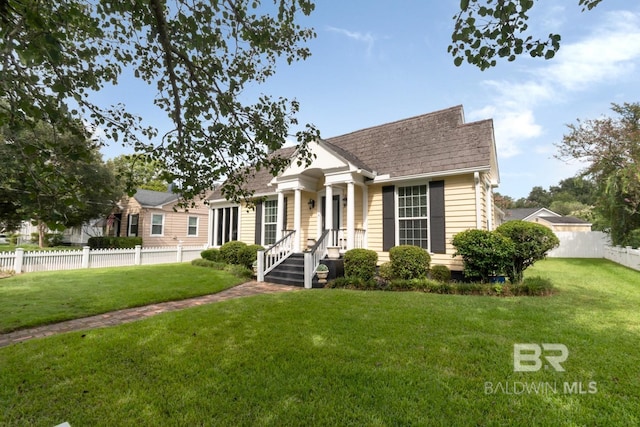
(340, 357)
(39, 298)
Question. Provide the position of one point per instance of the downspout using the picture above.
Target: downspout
(476, 178)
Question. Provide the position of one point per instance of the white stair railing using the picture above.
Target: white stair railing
(275, 254)
(313, 257)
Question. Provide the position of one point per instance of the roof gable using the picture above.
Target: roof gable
(430, 143)
(527, 214)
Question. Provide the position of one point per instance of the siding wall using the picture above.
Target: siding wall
(247, 224)
(460, 213)
(174, 228)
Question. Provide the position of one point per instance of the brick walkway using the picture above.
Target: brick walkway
(132, 314)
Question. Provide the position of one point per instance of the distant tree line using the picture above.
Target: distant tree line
(607, 191)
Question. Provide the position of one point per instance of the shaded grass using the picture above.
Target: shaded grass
(39, 298)
(340, 357)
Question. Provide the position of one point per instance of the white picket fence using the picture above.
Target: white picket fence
(26, 262)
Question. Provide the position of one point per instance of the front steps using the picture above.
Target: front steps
(291, 271)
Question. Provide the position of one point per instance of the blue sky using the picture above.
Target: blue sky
(374, 62)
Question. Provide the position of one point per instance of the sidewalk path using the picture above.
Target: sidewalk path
(132, 314)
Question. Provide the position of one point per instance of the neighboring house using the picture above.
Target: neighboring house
(154, 216)
(417, 181)
(80, 235)
(548, 218)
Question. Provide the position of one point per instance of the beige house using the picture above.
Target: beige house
(417, 181)
(548, 218)
(151, 215)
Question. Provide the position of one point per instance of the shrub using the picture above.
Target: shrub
(211, 255)
(386, 271)
(54, 239)
(352, 283)
(248, 255)
(239, 271)
(484, 253)
(360, 263)
(409, 262)
(534, 286)
(111, 242)
(532, 242)
(440, 273)
(201, 262)
(230, 251)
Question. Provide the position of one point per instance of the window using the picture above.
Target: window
(225, 225)
(157, 224)
(192, 226)
(413, 216)
(270, 221)
(133, 225)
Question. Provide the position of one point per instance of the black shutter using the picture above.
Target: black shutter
(284, 214)
(388, 217)
(436, 216)
(258, 223)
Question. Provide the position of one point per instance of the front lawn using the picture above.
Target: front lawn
(33, 299)
(340, 357)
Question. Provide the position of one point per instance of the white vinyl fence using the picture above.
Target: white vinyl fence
(628, 256)
(594, 244)
(25, 262)
(580, 244)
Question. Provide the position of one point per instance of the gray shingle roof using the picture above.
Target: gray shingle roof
(431, 143)
(148, 198)
(434, 142)
(565, 220)
(520, 213)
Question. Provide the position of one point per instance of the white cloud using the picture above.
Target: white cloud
(367, 38)
(610, 51)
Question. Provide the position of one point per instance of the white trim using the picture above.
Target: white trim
(386, 178)
(129, 216)
(476, 180)
(397, 210)
(151, 233)
(189, 226)
(264, 222)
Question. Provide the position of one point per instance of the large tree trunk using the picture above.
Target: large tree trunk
(42, 228)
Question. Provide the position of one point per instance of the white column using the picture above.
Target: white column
(214, 226)
(351, 215)
(476, 177)
(328, 213)
(365, 216)
(297, 221)
(280, 225)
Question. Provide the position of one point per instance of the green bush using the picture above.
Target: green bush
(230, 252)
(532, 242)
(211, 255)
(248, 255)
(360, 263)
(409, 262)
(534, 286)
(201, 262)
(485, 254)
(440, 273)
(54, 239)
(13, 239)
(239, 271)
(385, 271)
(352, 283)
(110, 242)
